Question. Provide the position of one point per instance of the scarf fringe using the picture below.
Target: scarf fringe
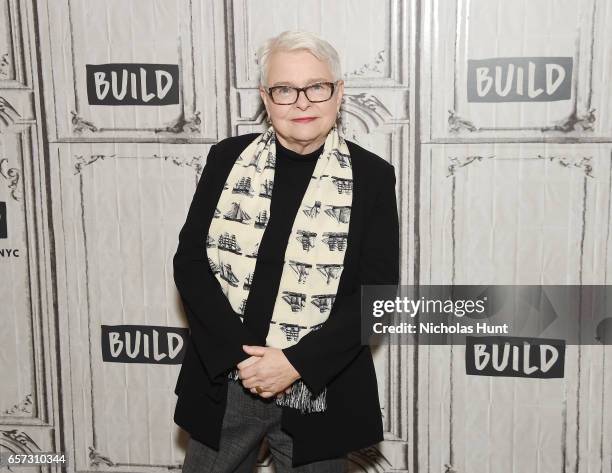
(300, 396)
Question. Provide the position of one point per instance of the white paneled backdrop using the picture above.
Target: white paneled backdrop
(489, 193)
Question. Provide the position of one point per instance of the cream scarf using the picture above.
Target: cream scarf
(314, 256)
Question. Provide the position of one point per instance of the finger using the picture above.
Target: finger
(254, 350)
(249, 361)
(250, 382)
(248, 372)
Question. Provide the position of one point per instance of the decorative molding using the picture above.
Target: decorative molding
(366, 109)
(460, 163)
(4, 65)
(9, 116)
(18, 440)
(84, 121)
(584, 163)
(81, 162)
(195, 162)
(242, 19)
(581, 97)
(181, 125)
(369, 67)
(24, 406)
(95, 458)
(570, 123)
(12, 175)
(79, 124)
(456, 123)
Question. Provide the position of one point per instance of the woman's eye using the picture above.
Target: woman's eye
(284, 90)
(316, 86)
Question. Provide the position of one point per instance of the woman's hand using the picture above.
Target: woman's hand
(271, 371)
(250, 360)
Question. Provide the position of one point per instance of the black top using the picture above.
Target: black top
(331, 357)
(291, 177)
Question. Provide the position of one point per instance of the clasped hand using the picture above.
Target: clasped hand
(267, 368)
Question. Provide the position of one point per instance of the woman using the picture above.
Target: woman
(284, 228)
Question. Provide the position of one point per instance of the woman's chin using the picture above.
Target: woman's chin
(305, 131)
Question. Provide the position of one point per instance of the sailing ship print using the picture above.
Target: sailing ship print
(228, 242)
(262, 219)
(236, 214)
(228, 275)
(344, 160)
(330, 271)
(316, 327)
(266, 188)
(296, 300)
(242, 308)
(335, 240)
(254, 160)
(323, 301)
(217, 213)
(243, 186)
(270, 161)
(291, 331)
(213, 267)
(301, 269)
(210, 242)
(306, 238)
(253, 254)
(313, 211)
(340, 213)
(247, 282)
(343, 185)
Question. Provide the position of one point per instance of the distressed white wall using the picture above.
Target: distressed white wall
(96, 195)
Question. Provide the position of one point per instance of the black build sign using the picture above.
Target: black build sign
(3, 224)
(519, 79)
(132, 84)
(143, 344)
(515, 357)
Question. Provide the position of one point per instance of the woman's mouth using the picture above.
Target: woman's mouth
(303, 120)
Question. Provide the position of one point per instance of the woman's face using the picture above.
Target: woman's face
(300, 69)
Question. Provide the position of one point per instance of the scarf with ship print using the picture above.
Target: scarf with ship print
(314, 257)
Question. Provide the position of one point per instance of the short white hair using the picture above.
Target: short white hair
(298, 40)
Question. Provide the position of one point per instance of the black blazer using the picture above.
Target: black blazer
(331, 356)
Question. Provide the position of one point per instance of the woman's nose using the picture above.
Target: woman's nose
(302, 101)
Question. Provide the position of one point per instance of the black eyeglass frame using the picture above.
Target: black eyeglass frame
(302, 89)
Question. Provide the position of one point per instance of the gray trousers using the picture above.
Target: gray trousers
(248, 418)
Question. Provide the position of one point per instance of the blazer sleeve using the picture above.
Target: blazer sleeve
(322, 354)
(216, 330)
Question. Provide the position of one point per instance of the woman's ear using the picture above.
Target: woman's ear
(340, 93)
(264, 98)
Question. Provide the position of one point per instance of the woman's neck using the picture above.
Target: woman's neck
(299, 147)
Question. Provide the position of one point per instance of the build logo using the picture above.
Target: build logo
(5, 252)
(3, 226)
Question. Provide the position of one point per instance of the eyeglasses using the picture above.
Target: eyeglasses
(287, 95)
